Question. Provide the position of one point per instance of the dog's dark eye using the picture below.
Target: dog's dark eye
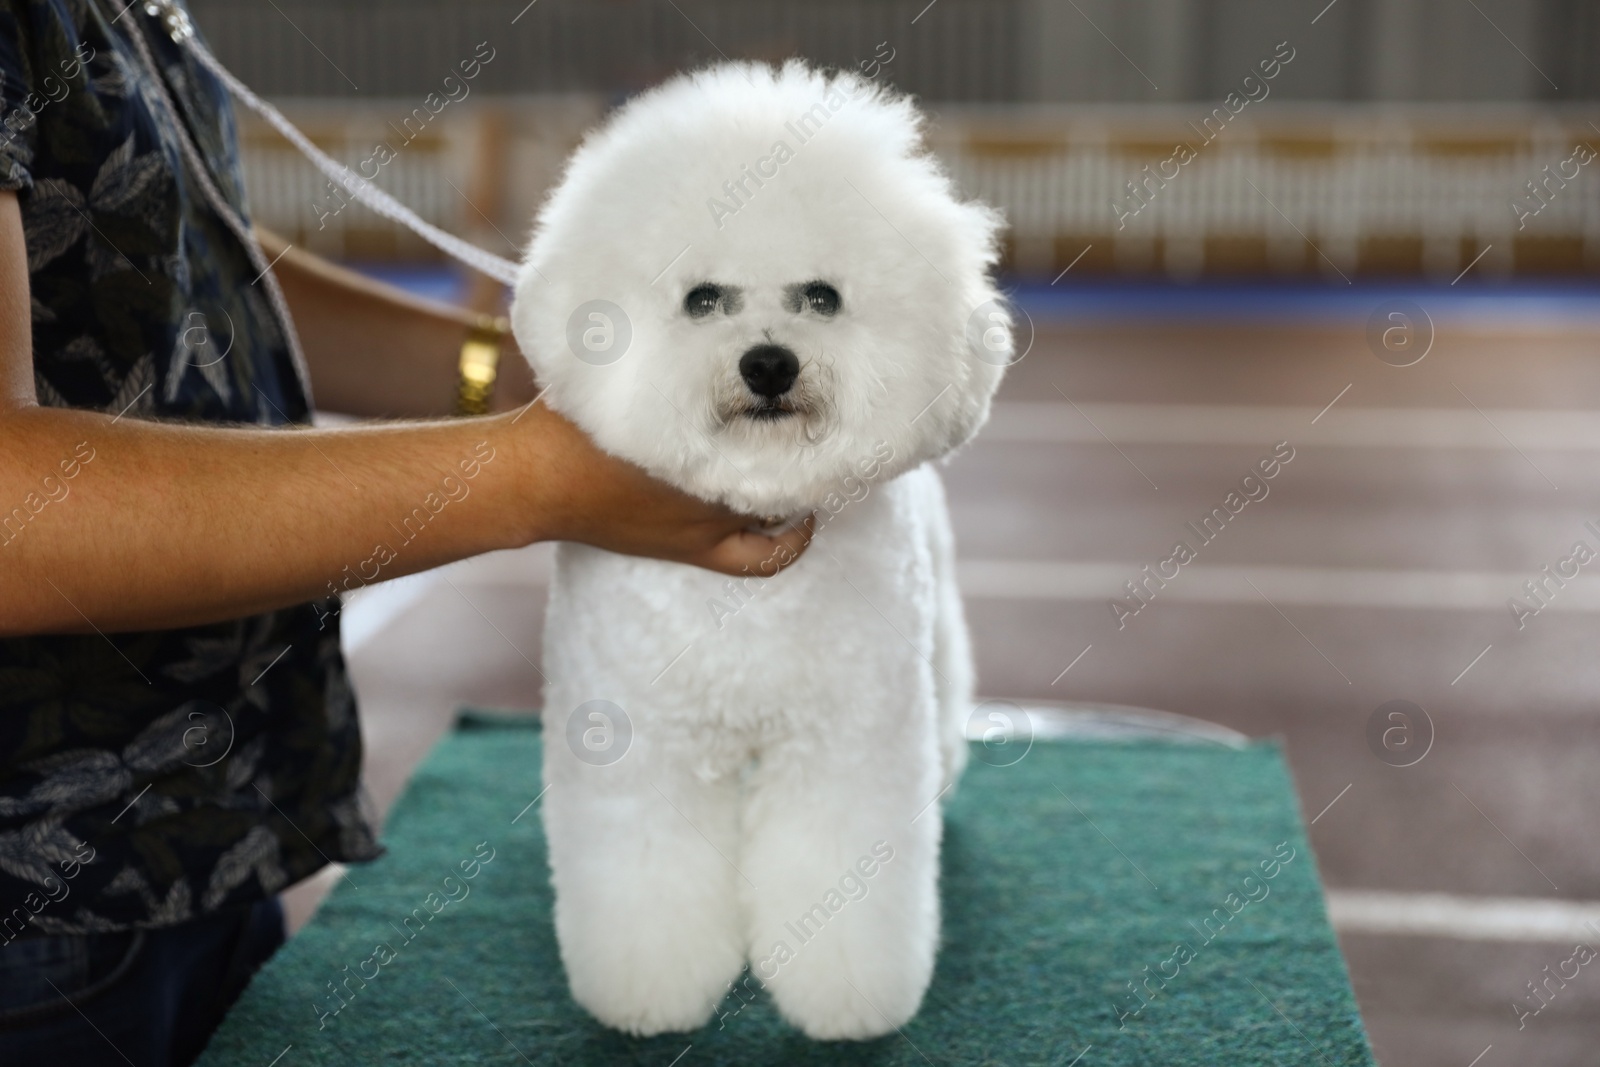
(702, 301)
(823, 299)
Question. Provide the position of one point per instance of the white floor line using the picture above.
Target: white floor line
(1089, 581)
(1199, 582)
(1258, 426)
(372, 608)
(1362, 911)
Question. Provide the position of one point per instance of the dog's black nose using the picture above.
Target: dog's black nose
(769, 370)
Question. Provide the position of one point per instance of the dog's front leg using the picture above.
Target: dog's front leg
(845, 913)
(646, 912)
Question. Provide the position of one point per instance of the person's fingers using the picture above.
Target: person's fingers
(599, 499)
(798, 538)
(746, 552)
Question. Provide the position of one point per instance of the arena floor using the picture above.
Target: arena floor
(1378, 567)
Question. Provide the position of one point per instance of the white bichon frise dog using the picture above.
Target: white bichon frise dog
(755, 284)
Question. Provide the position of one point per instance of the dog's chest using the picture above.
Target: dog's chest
(849, 624)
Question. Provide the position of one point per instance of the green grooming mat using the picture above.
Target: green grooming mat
(1127, 903)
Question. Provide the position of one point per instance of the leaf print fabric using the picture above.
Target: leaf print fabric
(204, 768)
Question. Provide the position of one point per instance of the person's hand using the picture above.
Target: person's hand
(579, 493)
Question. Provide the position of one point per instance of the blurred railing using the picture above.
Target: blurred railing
(1337, 190)
(338, 48)
(1155, 51)
(1333, 190)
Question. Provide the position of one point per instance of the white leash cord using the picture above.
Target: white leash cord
(496, 267)
(177, 24)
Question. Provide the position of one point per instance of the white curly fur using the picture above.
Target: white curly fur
(784, 728)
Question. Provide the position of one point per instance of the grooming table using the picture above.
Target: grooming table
(1070, 878)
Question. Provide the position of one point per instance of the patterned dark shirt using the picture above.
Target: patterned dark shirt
(151, 778)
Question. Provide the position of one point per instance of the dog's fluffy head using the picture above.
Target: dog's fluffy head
(755, 283)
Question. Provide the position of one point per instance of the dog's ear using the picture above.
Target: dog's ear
(972, 407)
(989, 338)
(991, 334)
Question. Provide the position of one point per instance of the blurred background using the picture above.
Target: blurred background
(1380, 246)
(1396, 137)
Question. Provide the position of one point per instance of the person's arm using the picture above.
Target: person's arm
(376, 350)
(165, 525)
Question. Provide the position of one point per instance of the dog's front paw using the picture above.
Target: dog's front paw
(645, 1004)
(648, 1015)
(837, 1006)
(832, 997)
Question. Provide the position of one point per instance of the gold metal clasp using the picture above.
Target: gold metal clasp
(480, 364)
